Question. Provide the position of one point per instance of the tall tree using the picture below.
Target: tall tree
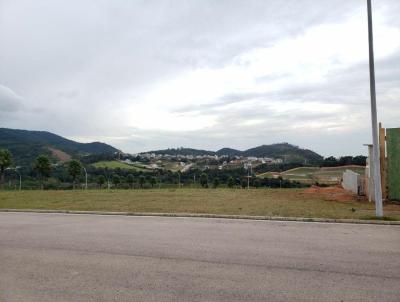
(360, 160)
(231, 182)
(345, 160)
(153, 181)
(130, 180)
(42, 166)
(116, 180)
(142, 180)
(101, 180)
(74, 170)
(204, 180)
(330, 162)
(216, 182)
(5, 162)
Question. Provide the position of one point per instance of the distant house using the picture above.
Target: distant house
(247, 165)
(127, 161)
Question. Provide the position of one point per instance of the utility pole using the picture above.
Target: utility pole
(374, 119)
(85, 177)
(248, 178)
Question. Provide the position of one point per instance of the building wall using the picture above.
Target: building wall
(393, 162)
(351, 181)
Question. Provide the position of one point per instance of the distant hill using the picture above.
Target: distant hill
(229, 152)
(183, 151)
(285, 151)
(26, 145)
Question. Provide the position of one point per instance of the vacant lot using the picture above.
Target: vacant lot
(311, 175)
(268, 202)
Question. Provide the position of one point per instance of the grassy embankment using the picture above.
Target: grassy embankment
(265, 202)
(113, 164)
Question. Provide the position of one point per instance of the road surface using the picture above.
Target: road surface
(61, 257)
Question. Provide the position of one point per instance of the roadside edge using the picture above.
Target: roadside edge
(244, 217)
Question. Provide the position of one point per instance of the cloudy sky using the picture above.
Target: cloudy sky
(144, 75)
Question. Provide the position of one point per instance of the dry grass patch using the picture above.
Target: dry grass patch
(263, 202)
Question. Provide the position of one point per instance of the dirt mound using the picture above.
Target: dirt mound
(60, 155)
(342, 167)
(335, 193)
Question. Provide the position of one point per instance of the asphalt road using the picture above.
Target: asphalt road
(58, 257)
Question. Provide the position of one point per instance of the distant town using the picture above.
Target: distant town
(185, 162)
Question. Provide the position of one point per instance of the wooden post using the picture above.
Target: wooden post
(382, 155)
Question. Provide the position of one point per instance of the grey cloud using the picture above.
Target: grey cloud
(271, 77)
(9, 100)
(79, 60)
(123, 43)
(349, 86)
(227, 99)
(69, 94)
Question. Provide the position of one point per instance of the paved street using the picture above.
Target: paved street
(59, 257)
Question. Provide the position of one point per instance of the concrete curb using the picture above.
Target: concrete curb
(244, 217)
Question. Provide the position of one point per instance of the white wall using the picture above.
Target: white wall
(351, 181)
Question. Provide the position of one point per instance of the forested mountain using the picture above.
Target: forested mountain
(26, 145)
(229, 152)
(285, 151)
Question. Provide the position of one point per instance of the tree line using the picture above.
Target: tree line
(42, 166)
(45, 174)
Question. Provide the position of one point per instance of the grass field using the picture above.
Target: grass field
(302, 174)
(268, 175)
(172, 166)
(265, 202)
(310, 175)
(116, 164)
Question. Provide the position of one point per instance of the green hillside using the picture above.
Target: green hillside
(182, 151)
(228, 151)
(26, 145)
(288, 152)
(113, 164)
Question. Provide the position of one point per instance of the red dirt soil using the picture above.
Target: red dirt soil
(60, 155)
(336, 193)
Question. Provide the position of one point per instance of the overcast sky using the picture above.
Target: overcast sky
(145, 75)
